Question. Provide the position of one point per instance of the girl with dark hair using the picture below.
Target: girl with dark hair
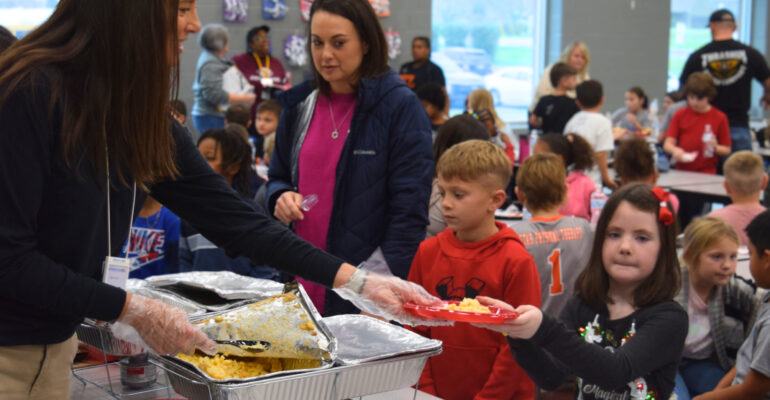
(456, 130)
(359, 139)
(577, 156)
(85, 135)
(622, 334)
(228, 154)
(634, 117)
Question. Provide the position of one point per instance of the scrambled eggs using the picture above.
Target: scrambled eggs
(468, 305)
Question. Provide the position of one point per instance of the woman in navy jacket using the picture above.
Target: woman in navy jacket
(358, 139)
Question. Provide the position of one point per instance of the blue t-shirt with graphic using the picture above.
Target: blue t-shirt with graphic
(154, 245)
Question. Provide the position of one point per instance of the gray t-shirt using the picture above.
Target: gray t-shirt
(755, 351)
(560, 249)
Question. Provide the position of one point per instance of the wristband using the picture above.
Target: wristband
(358, 280)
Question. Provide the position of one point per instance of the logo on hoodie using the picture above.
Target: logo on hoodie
(447, 291)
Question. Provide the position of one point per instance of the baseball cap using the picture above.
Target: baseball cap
(723, 15)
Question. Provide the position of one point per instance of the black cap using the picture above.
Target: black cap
(723, 15)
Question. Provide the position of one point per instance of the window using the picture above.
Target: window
(689, 30)
(488, 44)
(21, 16)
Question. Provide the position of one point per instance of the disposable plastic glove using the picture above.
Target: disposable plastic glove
(164, 328)
(386, 295)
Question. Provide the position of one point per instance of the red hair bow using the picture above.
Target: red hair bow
(664, 214)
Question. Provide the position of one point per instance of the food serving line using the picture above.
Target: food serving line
(353, 355)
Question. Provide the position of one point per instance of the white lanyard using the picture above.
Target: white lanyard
(109, 225)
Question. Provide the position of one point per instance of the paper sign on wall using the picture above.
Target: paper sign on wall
(274, 9)
(381, 7)
(235, 10)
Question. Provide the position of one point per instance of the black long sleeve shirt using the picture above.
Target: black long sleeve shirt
(606, 367)
(53, 228)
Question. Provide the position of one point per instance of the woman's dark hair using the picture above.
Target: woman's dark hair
(572, 148)
(235, 151)
(639, 92)
(366, 23)
(458, 129)
(106, 63)
(6, 38)
(663, 283)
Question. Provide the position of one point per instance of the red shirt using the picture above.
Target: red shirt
(475, 363)
(687, 128)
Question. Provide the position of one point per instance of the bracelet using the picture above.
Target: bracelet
(358, 281)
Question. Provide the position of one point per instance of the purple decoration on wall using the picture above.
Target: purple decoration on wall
(235, 10)
(274, 9)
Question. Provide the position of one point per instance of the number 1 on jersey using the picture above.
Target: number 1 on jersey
(555, 260)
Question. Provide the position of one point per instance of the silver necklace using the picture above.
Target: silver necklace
(336, 132)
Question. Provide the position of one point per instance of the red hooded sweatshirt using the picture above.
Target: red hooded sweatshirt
(476, 363)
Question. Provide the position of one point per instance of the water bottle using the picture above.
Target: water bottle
(598, 199)
(708, 136)
(533, 135)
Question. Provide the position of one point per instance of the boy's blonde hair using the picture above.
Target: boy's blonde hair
(744, 172)
(701, 234)
(542, 181)
(472, 159)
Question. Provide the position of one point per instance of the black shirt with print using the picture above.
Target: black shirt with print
(733, 65)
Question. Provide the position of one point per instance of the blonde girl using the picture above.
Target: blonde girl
(719, 304)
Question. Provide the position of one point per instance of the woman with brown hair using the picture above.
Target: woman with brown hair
(358, 138)
(85, 135)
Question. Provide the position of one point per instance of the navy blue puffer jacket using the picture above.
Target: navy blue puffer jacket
(383, 176)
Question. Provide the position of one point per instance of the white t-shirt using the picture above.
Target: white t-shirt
(596, 129)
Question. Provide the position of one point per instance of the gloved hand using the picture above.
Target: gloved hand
(164, 328)
(386, 295)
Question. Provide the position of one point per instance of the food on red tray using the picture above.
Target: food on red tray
(468, 305)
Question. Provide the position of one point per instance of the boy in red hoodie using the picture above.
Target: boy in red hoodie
(474, 256)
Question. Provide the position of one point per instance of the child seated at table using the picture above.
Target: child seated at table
(720, 305)
(699, 133)
(745, 179)
(577, 157)
(475, 255)
(635, 162)
(553, 111)
(634, 117)
(559, 244)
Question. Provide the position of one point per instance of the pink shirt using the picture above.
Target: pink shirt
(739, 217)
(318, 160)
(579, 189)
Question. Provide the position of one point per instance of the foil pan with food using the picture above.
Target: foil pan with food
(289, 322)
(227, 285)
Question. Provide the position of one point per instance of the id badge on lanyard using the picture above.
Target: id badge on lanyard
(116, 269)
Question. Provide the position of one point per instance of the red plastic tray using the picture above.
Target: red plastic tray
(496, 315)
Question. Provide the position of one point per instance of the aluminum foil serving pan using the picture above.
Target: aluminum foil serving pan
(289, 322)
(142, 288)
(227, 285)
(364, 339)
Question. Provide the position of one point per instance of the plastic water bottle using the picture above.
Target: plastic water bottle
(533, 136)
(598, 199)
(708, 136)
